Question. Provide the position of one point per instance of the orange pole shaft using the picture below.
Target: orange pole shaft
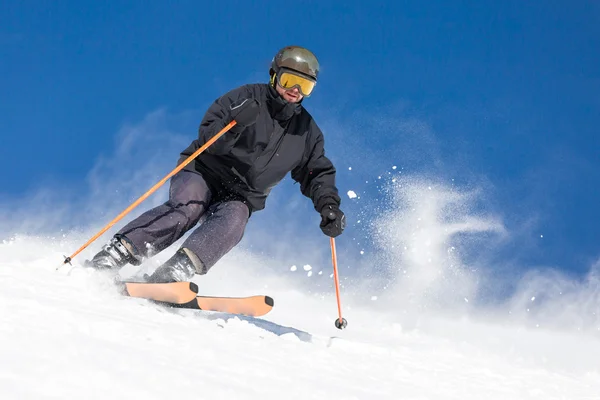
(336, 277)
(153, 189)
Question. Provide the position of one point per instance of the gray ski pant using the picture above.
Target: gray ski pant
(222, 223)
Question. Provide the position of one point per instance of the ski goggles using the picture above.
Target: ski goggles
(289, 80)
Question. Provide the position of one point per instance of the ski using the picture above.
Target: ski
(253, 306)
(175, 292)
(185, 295)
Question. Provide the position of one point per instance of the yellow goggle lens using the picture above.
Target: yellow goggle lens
(287, 80)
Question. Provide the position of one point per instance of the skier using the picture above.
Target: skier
(231, 179)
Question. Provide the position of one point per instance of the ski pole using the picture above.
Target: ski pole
(340, 322)
(152, 190)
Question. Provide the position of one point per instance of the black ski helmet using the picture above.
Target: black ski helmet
(298, 59)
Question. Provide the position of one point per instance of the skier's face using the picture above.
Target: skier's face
(292, 95)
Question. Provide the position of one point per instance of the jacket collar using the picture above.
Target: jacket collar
(280, 109)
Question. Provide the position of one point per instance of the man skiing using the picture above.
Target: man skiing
(224, 185)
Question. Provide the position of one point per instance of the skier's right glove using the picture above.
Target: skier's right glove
(244, 112)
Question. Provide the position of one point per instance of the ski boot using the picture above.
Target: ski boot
(181, 267)
(114, 255)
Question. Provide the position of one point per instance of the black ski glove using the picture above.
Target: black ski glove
(244, 112)
(333, 220)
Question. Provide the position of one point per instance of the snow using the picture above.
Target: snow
(352, 194)
(67, 334)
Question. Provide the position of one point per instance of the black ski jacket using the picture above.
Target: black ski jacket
(246, 163)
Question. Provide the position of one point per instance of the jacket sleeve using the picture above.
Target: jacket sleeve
(317, 175)
(217, 117)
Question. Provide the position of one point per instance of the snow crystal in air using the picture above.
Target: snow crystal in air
(293, 268)
(309, 274)
(307, 267)
(351, 194)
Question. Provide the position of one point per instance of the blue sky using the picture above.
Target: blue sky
(503, 93)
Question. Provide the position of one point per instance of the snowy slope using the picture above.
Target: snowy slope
(67, 335)
(425, 318)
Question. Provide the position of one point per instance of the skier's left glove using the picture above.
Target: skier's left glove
(333, 220)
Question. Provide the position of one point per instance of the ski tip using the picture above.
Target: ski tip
(269, 301)
(194, 287)
(193, 304)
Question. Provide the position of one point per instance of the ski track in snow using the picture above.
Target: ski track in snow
(70, 335)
